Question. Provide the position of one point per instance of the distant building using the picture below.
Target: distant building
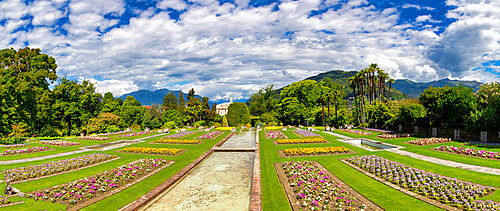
(222, 108)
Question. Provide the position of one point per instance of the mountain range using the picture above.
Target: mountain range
(402, 88)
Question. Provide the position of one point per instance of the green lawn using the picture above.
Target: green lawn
(126, 196)
(274, 197)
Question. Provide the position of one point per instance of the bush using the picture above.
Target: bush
(135, 127)
(238, 113)
(224, 122)
(199, 124)
(248, 125)
(169, 125)
(272, 124)
(217, 124)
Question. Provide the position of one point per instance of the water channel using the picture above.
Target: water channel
(223, 181)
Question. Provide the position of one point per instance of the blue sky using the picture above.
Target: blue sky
(232, 48)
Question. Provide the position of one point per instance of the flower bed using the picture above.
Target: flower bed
(135, 134)
(60, 143)
(314, 151)
(177, 141)
(180, 135)
(211, 135)
(377, 130)
(482, 144)
(432, 186)
(86, 191)
(95, 138)
(309, 186)
(357, 132)
(273, 134)
(26, 150)
(391, 136)
(429, 141)
(301, 141)
(15, 145)
(150, 150)
(53, 167)
(305, 133)
(4, 200)
(468, 151)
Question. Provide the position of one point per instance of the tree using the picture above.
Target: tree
(172, 115)
(487, 115)
(238, 113)
(107, 97)
(170, 101)
(224, 122)
(131, 112)
(190, 94)
(182, 102)
(298, 101)
(103, 123)
(264, 101)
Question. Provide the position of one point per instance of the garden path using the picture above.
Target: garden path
(7, 162)
(450, 163)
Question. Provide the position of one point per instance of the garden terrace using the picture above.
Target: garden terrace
(429, 141)
(391, 136)
(25, 151)
(60, 143)
(356, 132)
(274, 134)
(95, 138)
(305, 133)
(151, 150)
(180, 135)
(314, 151)
(177, 141)
(301, 141)
(210, 135)
(469, 152)
(135, 134)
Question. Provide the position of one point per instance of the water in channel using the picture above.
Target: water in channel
(221, 182)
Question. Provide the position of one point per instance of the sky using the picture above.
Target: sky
(233, 48)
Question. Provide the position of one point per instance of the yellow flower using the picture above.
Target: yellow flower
(316, 150)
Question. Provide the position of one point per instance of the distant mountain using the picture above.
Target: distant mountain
(147, 97)
(414, 88)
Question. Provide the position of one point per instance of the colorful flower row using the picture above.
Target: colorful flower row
(180, 135)
(114, 133)
(150, 150)
(482, 144)
(444, 189)
(315, 150)
(301, 141)
(467, 151)
(26, 150)
(391, 136)
(305, 133)
(177, 141)
(377, 130)
(15, 145)
(273, 134)
(53, 167)
(98, 185)
(135, 134)
(4, 200)
(211, 135)
(429, 141)
(95, 138)
(357, 132)
(315, 190)
(60, 143)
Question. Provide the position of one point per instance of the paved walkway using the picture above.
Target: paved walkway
(86, 149)
(450, 163)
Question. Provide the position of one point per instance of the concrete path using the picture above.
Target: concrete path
(450, 163)
(84, 149)
(454, 164)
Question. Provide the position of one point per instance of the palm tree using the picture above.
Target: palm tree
(391, 81)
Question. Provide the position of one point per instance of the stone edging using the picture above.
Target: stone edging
(110, 193)
(326, 142)
(407, 192)
(11, 204)
(256, 195)
(72, 170)
(294, 202)
(282, 154)
(152, 194)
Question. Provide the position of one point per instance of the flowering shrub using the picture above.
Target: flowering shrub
(135, 134)
(429, 141)
(275, 134)
(180, 135)
(211, 135)
(177, 141)
(391, 136)
(97, 185)
(301, 141)
(95, 138)
(357, 132)
(316, 150)
(482, 144)
(4, 200)
(26, 150)
(305, 133)
(315, 190)
(444, 189)
(467, 151)
(53, 167)
(60, 143)
(150, 150)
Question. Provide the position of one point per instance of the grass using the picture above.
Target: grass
(126, 196)
(274, 197)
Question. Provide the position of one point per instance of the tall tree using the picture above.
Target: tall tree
(170, 101)
(182, 102)
(108, 96)
(238, 113)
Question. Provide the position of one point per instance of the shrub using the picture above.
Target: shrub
(169, 125)
(238, 113)
(135, 127)
(272, 124)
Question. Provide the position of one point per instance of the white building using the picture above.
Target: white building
(222, 108)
